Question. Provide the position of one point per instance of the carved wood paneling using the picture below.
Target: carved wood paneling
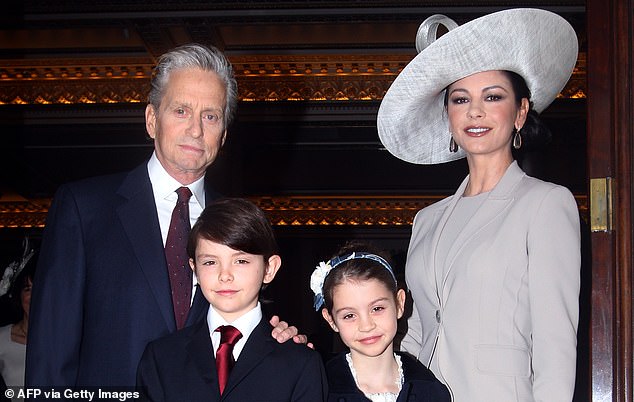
(610, 154)
(268, 78)
(283, 211)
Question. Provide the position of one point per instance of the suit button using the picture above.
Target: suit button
(438, 316)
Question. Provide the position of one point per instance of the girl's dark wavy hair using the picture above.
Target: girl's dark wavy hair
(361, 269)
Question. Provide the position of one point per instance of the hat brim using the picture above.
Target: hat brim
(537, 44)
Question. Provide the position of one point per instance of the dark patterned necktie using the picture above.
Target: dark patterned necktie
(177, 259)
(224, 355)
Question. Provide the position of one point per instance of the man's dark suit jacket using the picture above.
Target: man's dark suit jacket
(420, 383)
(182, 367)
(101, 290)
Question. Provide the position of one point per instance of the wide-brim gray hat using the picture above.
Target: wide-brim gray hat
(539, 45)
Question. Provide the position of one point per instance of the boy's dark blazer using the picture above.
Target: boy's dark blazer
(182, 367)
(420, 383)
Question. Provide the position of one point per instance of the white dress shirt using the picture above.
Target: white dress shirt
(245, 324)
(164, 188)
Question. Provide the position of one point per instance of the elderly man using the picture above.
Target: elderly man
(113, 271)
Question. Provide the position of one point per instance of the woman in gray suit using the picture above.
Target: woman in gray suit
(493, 269)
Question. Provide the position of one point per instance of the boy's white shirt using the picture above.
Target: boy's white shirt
(245, 324)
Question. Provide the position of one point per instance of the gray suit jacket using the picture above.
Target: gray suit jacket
(498, 321)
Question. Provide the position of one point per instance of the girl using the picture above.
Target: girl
(359, 297)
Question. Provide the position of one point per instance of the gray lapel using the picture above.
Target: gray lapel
(500, 198)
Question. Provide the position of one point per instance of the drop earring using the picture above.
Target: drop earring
(453, 147)
(517, 139)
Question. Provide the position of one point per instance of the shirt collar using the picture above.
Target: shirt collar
(245, 324)
(164, 185)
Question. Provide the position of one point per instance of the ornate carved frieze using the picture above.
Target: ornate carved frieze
(340, 211)
(262, 78)
(23, 213)
(284, 211)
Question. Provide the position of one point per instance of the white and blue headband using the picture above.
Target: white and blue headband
(323, 269)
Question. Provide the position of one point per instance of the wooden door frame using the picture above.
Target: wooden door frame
(610, 133)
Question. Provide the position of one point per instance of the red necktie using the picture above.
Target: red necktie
(177, 259)
(224, 355)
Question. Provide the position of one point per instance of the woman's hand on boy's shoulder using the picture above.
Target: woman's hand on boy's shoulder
(282, 332)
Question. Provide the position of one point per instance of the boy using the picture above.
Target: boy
(233, 254)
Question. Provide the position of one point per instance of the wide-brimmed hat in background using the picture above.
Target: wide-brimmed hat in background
(539, 45)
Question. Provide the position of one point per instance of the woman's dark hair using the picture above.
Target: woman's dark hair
(534, 133)
(358, 269)
(21, 281)
(236, 223)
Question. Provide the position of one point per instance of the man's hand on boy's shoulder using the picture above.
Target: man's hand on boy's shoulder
(282, 332)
